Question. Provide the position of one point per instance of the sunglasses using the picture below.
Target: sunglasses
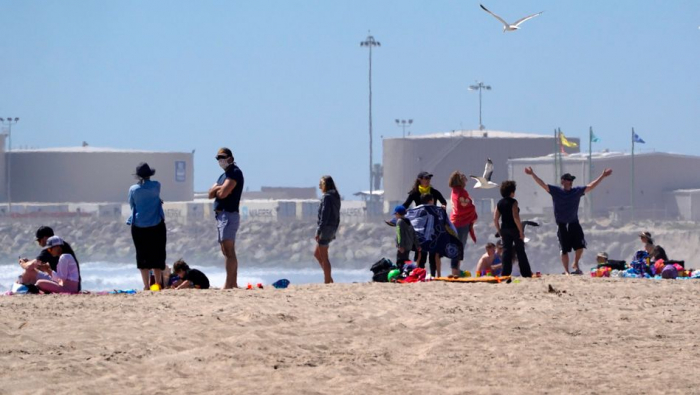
(222, 157)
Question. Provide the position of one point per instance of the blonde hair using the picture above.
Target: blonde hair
(456, 179)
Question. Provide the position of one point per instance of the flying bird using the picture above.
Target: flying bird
(485, 181)
(507, 27)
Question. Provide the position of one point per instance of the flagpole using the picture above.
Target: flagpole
(556, 152)
(632, 190)
(561, 157)
(590, 170)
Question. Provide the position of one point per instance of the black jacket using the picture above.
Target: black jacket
(414, 197)
(329, 210)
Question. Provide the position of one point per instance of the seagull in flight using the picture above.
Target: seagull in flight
(507, 27)
(485, 181)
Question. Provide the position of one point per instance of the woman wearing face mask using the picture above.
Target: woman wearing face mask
(147, 222)
(421, 187)
(328, 222)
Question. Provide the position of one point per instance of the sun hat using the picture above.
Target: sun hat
(143, 170)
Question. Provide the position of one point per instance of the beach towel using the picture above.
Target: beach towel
(485, 279)
(435, 232)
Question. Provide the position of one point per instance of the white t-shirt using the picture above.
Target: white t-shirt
(67, 269)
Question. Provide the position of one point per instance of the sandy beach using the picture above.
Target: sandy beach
(586, 335)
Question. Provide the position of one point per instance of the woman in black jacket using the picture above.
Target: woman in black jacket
(422, 190)
(328, 222)
(421, 187)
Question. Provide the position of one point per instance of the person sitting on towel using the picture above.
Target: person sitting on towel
(191, 278)
(66, 277)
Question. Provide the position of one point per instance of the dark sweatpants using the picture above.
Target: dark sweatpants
(511, 240)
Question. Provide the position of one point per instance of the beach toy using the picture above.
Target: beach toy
(259, 285)
(281, 284)
(466, 273)
(393, 275)
(538, 274)
(155, 287)
(250, 286)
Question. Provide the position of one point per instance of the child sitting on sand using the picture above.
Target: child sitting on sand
(190, 278)
(487, 262)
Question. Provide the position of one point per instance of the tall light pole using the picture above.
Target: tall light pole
(479, 87)
(9, 122)
(403, 123)
(369, 43)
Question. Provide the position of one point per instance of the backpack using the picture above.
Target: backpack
(381, 269)
(382, 265)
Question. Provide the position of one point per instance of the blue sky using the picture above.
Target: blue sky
(284, 83)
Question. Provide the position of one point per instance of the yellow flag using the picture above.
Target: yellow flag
(566, 142)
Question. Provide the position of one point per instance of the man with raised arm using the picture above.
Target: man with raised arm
(565, 201)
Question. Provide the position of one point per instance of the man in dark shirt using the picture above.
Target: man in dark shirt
(565, 201)
(226, 193)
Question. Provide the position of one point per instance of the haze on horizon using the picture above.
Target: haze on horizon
(284, 83)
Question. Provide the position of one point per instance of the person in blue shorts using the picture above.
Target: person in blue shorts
(565, 200)
(226, 193)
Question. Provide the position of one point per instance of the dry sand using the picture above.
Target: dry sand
(588, 336)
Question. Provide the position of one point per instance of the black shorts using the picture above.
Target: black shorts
(570, 237)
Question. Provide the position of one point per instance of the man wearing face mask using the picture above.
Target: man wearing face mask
(226, 193)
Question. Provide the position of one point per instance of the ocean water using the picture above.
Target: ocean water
(106, 276)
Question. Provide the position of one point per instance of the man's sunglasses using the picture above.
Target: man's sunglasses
(221, 157)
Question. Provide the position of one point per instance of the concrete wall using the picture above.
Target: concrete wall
(656, 174)
(405, 158)
(102, 176)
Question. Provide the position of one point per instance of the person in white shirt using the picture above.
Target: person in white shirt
(66, 278)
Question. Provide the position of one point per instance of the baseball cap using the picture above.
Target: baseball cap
(53, 241)
(143, 170)
(424, 174)
(400, 210)
(44, 231)
(224, 152)
(567, 177)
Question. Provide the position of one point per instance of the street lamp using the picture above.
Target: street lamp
(9, 122)
(479, 87)
(403, 123)
(369, 43)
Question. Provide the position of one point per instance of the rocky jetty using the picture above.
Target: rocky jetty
(358, 245)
